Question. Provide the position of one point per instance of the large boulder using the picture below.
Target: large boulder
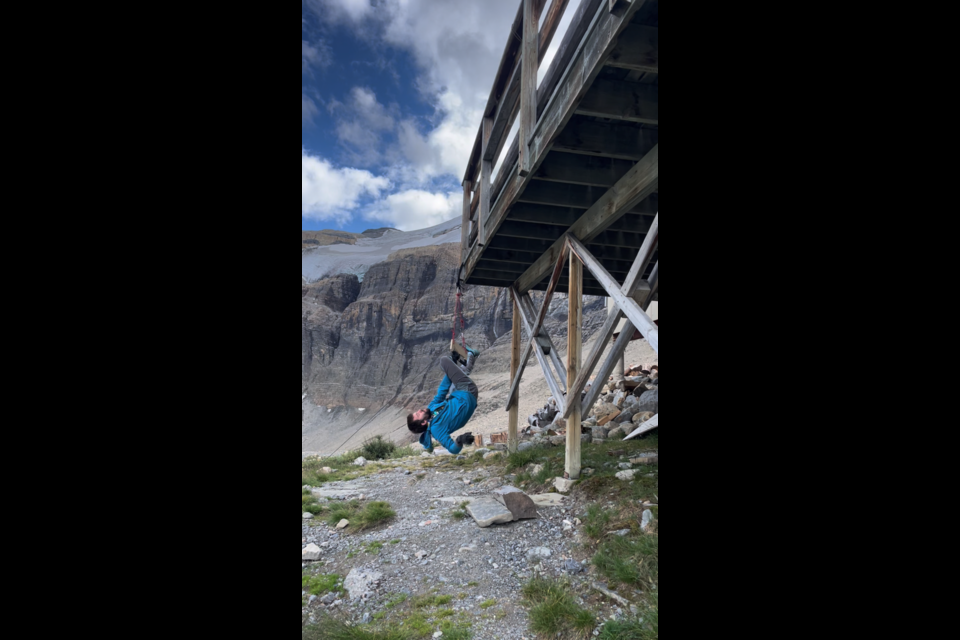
(650, 401)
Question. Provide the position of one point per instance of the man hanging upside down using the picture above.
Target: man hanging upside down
(447, 415)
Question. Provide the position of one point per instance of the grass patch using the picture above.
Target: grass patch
(361, 516)
(630, 561)
(647, 627)
(554, 611)
(318, 585)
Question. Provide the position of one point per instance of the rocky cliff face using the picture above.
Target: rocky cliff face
(371, 344)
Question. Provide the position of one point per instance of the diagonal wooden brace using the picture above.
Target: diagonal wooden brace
(633, 283)
(526, 307)
(535, 330)
(629, 306)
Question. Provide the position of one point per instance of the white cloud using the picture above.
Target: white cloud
(412, 210)
(457, 46)
(339, 10)
(361, 124)
(314, 55)
(308, 110)
(330, 193)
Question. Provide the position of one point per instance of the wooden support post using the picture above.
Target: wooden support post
(528, 82)
(486, 184)
(465, 226)
(574, 347)
(513, 439)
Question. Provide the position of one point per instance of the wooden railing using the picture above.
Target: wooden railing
(515, 94)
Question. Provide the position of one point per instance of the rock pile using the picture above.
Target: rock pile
(623, 406)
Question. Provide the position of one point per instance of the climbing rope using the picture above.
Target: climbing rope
(458, 315)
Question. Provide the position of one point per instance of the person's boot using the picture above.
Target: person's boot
(471, 360)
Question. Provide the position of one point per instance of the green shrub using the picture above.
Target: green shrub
(378, 449)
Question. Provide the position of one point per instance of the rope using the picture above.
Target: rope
(458, 314)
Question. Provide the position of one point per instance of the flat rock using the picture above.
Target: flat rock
(336, 494)
(521, 506)
(548, 500)
(488, 511)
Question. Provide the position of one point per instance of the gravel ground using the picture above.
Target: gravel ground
(438, 552)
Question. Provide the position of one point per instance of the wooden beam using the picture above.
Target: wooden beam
(528, 83)
(578, 197)
(584, 170)
(646, 427)
(619, 100)
(633, 188)
(623, 140)
(485, 185)
(513, 436)
(509, 103)
(494, 257)
(626, 337)
(465, 225)
(629, 306)
(578, 77)
(567, 51)
(627, 234)
(574, 78)
(525, 313)
(545, 342)
(632, 284)
(513, 395)
(534, 328)
(574, 346)
(637, 50)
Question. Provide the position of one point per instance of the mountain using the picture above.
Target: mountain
(376, 313)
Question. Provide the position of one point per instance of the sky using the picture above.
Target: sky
(392, 96)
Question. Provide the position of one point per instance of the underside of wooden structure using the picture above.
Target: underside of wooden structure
(571, 205)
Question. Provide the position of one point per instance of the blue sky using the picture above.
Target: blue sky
(392, 93)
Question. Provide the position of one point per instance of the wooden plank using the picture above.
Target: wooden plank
(646, 427)
(620, 100)
(500, 258)
(634, 187)
(629, 306)
(621, 237)
(585, 54)
(583, 170)
(574, 348)
(539, 247)
(638, 49)
(485, 186)
(525, 308)
(508, 105)
(578, 197)
(513, 441)
(619, 348)
(566, 52)
(465, 225)
(579, 76)
(545, 342)
(528, 83)
(622, 140)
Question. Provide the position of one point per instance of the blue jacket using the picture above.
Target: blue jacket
(449, 416)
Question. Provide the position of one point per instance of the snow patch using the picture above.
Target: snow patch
(322, 262)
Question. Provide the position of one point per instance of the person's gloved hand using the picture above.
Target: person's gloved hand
(466, 439)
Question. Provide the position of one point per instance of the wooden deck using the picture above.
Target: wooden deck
(586, 159)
